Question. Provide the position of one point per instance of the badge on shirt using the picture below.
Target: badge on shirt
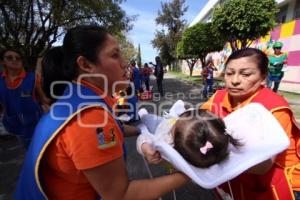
(106, 140)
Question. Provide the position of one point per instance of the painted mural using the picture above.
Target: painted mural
(289, 34)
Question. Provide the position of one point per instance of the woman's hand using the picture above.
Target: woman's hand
(151, 155)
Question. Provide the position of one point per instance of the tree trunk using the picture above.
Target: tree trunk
(191, 70)
(202, 58)
(244, 44)
(233, 45)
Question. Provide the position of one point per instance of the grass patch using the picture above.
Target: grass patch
(194, 79)
(290, 95)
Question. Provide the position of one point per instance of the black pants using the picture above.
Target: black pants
(147, 84)
(276, 86)
(159, 81)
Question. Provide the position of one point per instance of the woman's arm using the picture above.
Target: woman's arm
(111, 183)
(131, 130)
(39, 94)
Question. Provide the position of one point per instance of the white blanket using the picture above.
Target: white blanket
(262, 137)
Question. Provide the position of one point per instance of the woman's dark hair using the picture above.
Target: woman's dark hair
(3, 52)
(259, 57)
(84, 41)
(191, 132)
(60, 64)
(158, 60)
(51, 72)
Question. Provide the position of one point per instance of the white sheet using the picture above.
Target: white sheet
(262, 137)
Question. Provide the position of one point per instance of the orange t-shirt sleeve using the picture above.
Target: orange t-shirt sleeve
(283, 117)
(207, 105)
(93, 138)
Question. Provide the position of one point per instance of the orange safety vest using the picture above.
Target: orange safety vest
(273, 185)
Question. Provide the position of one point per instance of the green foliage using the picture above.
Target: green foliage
(33, 26)
(127, 48)
(244, 20)
(197, 41)
(170, 18)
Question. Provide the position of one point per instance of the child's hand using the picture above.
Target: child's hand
(151, 155)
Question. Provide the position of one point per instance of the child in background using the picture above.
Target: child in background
(208, 78)
(198, 135)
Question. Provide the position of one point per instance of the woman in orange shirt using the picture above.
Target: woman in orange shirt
(77, 149)
(245, 77)
(20, 96)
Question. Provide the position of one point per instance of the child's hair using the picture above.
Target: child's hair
(201, 138)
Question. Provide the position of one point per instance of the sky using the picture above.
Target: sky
(144, 26)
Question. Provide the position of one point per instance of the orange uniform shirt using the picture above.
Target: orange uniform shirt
(16, 82)
(86, 142)
(287, 158)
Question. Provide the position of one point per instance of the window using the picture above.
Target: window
(281, 16)
(297, 10)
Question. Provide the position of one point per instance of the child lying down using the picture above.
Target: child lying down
(198, 135)
(209, 150)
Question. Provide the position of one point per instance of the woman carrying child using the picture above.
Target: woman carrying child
(246, 71)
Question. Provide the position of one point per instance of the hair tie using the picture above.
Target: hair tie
(208, 145)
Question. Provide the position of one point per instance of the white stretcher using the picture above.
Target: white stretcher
(261, 134)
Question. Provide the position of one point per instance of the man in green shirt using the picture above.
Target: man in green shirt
(277, 64)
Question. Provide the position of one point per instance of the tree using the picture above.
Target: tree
(127, 48)
(166, 39)
(32, 26)
(243, 21)
(139, 57)
(197, 41)
(189, 58)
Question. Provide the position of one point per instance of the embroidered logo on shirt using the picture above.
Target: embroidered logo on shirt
(106, 140)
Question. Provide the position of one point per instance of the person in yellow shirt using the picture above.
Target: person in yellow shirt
(246, 71)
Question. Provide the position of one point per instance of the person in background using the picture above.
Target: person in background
(135, 76)
(142, 79)
(246, 71)
(77, 149)
(159, 74)
(147, 71)
(20, 96)
(277, 65)
(208, 78)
